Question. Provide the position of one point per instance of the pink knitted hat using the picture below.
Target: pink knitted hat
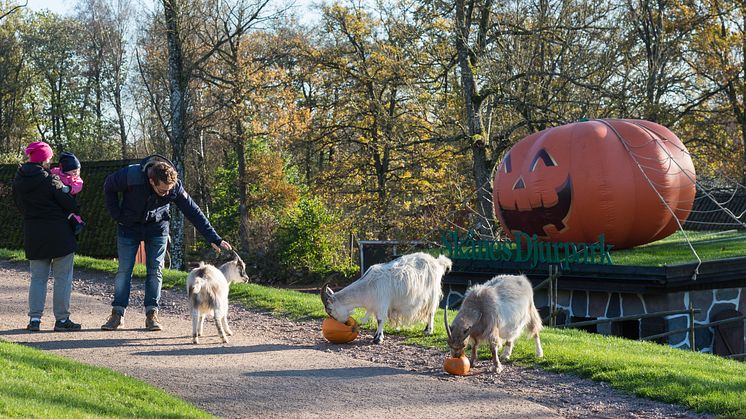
(39, 151)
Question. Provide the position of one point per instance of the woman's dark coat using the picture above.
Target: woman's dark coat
(45, 206)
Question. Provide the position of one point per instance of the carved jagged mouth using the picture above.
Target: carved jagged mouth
(534, 220)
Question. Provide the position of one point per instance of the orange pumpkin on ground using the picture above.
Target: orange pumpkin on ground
(337, 332)
(457, 366)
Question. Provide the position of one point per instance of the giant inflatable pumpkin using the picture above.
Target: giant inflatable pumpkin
(574, 182)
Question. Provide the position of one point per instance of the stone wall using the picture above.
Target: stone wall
(603, 305)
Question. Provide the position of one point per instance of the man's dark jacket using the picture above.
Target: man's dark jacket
(45, 206)
(140, 213)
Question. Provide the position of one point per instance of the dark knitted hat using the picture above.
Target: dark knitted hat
(68, 161)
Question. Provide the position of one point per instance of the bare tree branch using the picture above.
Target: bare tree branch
(13, 9)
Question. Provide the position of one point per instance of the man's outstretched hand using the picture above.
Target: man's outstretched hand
(223, 244)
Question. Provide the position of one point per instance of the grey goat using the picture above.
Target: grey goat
(207, 287)
(495, 312)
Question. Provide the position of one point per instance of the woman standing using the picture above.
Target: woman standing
(48, 239)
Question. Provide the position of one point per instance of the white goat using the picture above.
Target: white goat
(207, 287)
(495, 311)
(406, 291)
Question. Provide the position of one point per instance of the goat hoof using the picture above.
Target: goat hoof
(428, 332)
(195, 340)
(377, 339)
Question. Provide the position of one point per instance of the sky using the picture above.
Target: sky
(57, 6)
(65, 7)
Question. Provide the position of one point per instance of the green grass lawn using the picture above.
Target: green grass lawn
(701, 382)
(674, 249)
(36, 384)
(171, 277)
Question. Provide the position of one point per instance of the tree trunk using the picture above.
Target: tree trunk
(243, 212)
(204, 191)
(743, 97)
(472, 103)
(178, 89)
(99, 112)
(120, 120)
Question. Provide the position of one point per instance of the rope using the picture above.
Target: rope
(727, 211)
(673, 214)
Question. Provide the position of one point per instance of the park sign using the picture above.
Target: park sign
(526, 249)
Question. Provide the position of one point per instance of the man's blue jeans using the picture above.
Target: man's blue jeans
(155, 251)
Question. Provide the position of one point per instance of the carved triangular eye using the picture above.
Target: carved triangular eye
(506, 163)
(543, 156)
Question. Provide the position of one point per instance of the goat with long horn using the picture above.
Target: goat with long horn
(494, 312)
(405, 291)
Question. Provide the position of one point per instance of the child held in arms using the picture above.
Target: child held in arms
(69, 173)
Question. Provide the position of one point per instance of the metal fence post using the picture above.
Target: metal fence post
(550, 296)
(691, 326)
(556, 294)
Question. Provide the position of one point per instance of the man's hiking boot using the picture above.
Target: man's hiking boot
(151, 321)
(33, 325)
(114, 321)
(66, 325)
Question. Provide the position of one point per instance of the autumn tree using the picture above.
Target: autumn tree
(191, 40)
(9, 9)
(659, 84)
(373, 117)
(106, 26)
(252, 108)
(524, 66)
(61, 99)
(717, 129)
(15, 84)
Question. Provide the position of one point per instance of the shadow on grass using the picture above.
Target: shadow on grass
(209, 349)
(65, 401)
(68, 333)
(340, 373)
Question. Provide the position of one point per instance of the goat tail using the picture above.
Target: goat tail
(197, 285)
(534, 320)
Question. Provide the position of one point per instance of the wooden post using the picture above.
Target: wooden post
(556, 293)
(691, 325)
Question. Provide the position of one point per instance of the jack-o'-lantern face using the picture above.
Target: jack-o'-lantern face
(574, 182)
(530, 216)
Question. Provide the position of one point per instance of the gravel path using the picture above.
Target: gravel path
(277, 368)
